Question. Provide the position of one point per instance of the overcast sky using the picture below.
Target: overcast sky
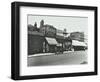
(72, 24)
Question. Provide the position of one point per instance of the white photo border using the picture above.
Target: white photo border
(25, 70)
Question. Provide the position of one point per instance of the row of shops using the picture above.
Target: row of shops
(48, 39)
(38, 43)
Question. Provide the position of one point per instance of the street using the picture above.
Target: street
(71, 58)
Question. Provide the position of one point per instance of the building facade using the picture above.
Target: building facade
(77, 36)
(78, 41)
(35, 42)
(47, 39)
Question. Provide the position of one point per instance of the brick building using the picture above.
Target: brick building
(47, 38)
(35, 42)
(78, 40)
(77, 36)
(49, 31)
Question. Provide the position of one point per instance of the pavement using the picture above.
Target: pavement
(67, 58)
(47, 54)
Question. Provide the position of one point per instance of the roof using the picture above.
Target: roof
(51, 26)
(59, 37)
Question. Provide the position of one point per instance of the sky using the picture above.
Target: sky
(72, 23)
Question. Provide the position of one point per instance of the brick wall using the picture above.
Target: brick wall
(35, 44)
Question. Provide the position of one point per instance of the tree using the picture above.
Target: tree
(35, 25)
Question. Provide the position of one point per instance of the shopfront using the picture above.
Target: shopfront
(50, 45)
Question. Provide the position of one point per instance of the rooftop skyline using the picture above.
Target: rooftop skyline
(72, 24)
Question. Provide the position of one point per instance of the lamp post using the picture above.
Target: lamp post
(64, 34)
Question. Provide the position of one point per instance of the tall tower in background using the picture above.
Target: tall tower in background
(41, 23)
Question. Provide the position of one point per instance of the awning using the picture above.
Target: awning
(59, 44)
(78, 43)
(51, 41)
